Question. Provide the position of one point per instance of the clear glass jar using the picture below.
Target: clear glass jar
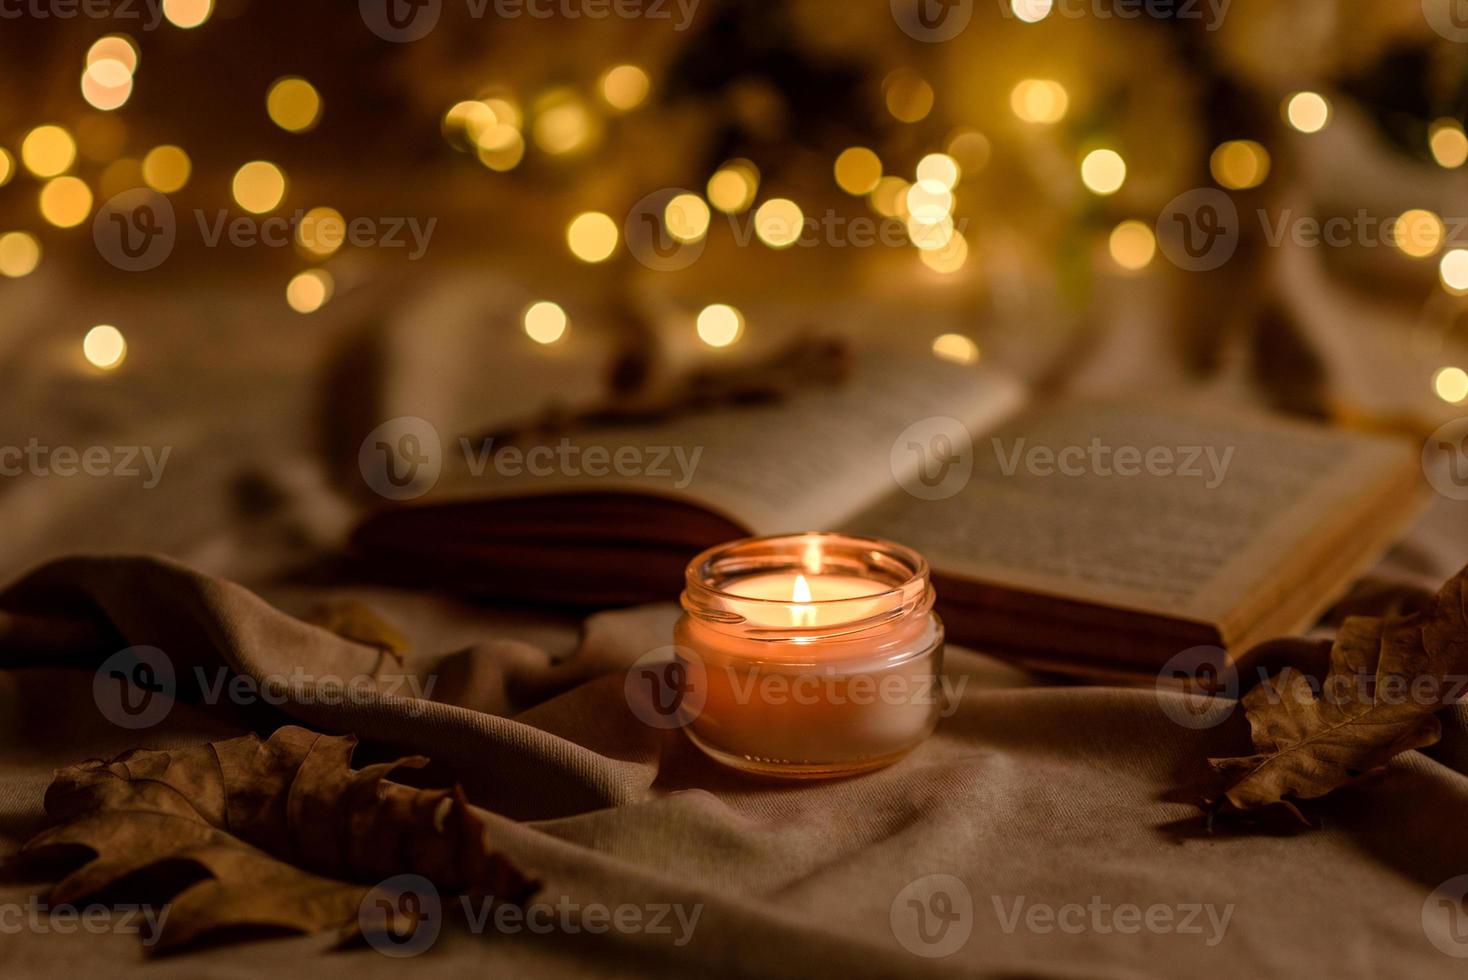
(809, 655)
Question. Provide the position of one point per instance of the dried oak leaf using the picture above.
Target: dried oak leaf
(286, 832)
(360, 623)
(1386, 682)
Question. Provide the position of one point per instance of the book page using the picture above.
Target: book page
(805, 463)
(1164, 511)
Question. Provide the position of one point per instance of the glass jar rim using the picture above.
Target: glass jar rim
(708, 574)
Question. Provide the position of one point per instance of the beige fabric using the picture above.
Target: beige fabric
(1045, 795)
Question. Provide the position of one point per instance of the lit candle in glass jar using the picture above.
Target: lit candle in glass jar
(808, 655)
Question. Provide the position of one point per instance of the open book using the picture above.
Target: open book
(1093, 535)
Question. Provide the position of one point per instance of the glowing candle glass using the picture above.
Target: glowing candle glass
(808, 655)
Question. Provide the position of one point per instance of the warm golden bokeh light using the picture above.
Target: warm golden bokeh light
(930, 236)
(857, 170)
(929, 202)
(7, 166)
(1239, 164)
(66, 201)
(48, 151)
(624, 87)
(508, 149)
(949, 258)
(187, 13)
(167, 168)
(939, 168)
(308, 291)
(889, 198)
(970, 149)
(20, 253)
(1103, 172)
(1448, 143)
(1031, 11)
(1132, 245)
(687, 218)
(104, 347)
(957, 348)
(545, 322)
(909, 97)
(720, 325)
(1451, 385)
(1453, 270)
(733, 186)
(1309, 112)
(563, 124)
(592, 236)
(1418, 233)
(259, 186)
(321, 231)
(107, 84)
(1039, 100)
(114, 47)
(293, 104)
(779, 222)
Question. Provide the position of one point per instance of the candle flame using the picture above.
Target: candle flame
(800, 592)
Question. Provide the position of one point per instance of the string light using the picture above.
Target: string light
(1448, 143)
(1103, 172)
(167, 168)
(187, 13)
(293, 104)
(687, 218)
(1309, 112)
(114, 47)
(778, 223)
(321, 232)
(857, 170)
(1039, 100)
(66, 201)
(107, 84)
(957, 348)
(308, 291)
(259, 186)
(939, 168)
(1451, 385)
(909, 98)
(1418, 233)
(545, 322)
(1239, 164)
(592, 237)
(563, 124)
(1453, 270)
(48, 151)
(624, 87)
(1132, 245)
(733, 186)
(20, 253)
(1031, 11)
(720, 325)
(104, 347)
